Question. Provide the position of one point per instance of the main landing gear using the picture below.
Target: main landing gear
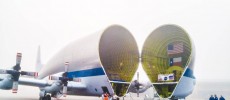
(46, 97)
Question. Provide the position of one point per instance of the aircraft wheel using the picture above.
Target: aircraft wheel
(47, 97)
(40, 98)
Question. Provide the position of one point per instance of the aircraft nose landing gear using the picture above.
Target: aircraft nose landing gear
(44, 96)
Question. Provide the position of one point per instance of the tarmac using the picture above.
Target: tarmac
(32, 93)
(202, 91)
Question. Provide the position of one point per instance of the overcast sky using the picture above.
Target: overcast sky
(52, 24)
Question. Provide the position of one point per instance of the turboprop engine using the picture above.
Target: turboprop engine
(112, 52)
(167, 58)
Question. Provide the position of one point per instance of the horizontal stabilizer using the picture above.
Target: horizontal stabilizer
(120, 82)
(165, 83)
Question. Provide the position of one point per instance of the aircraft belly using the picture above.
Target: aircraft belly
(185, 87)
(94, 86)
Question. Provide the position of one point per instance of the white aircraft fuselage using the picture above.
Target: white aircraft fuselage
(85, 60)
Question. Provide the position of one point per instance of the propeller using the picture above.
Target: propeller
(15, 73)
(64, 79)
(27, 73)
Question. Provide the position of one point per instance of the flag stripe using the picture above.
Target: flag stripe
(175, 48)
(175, 61)
(177, 64)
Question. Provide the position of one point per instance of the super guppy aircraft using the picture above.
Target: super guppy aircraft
(107, 61)
(102, 62)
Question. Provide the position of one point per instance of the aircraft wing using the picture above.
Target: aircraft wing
(165, 83)
(120, 82)
(46, 83)
(33, 82)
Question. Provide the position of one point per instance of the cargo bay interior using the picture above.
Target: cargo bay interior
(119, 56)
(165, 55)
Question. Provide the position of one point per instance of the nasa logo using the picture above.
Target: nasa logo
(165, 78)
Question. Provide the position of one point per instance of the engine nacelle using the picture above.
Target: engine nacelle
(54, 90)
(6, 83)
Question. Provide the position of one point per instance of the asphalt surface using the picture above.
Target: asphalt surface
(32, 93)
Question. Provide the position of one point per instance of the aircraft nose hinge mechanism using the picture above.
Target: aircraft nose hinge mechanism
(137, 84)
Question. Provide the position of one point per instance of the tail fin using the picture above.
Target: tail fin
(38, 64)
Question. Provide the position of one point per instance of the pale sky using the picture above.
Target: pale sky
(25, 24)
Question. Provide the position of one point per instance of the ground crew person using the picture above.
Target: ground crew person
(211, 98)
(221, 98)
(215, 97)
(106, 96)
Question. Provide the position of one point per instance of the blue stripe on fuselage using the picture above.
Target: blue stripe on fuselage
(86, 73)
(189, 73)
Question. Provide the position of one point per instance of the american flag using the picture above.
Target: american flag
(175, 48)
